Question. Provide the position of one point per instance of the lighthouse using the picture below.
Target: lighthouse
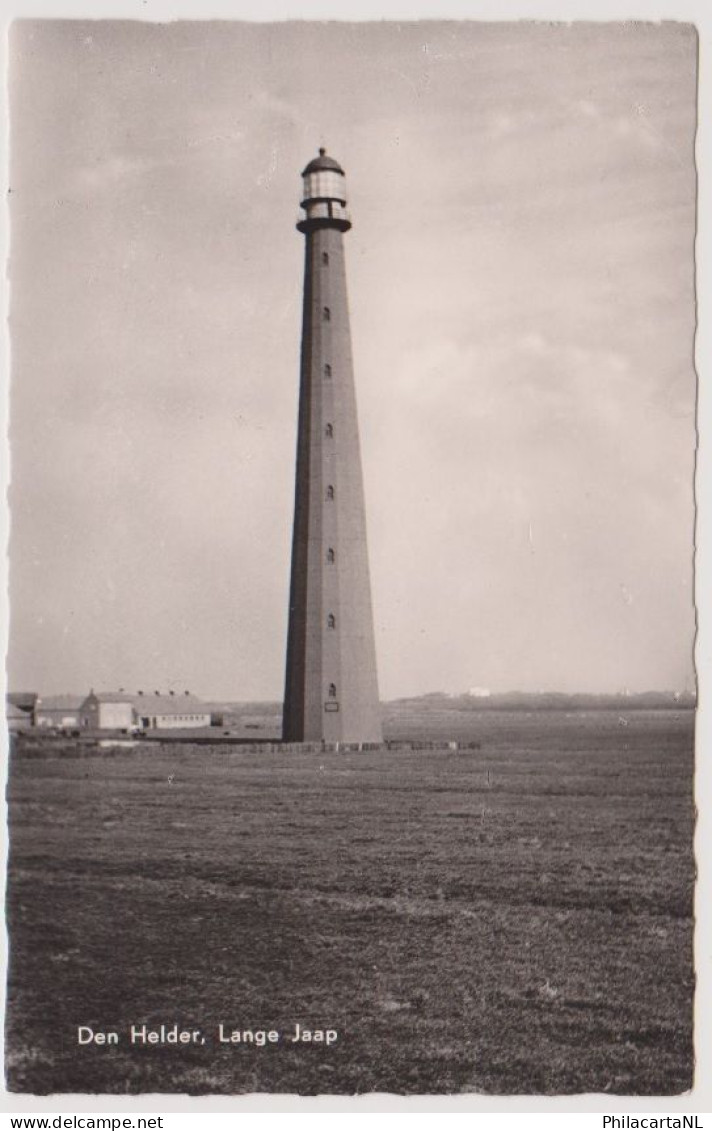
(331, 690)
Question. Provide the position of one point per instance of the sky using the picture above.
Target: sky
(521, 285)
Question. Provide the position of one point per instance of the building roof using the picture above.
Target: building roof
(16, 713)
(110, 697)
(152, 704)
(60, 702)
(322, 162)
(169, 705)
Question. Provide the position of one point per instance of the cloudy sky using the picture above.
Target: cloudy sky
(522, 301)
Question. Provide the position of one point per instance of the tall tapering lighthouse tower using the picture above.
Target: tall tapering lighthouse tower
(331, 691)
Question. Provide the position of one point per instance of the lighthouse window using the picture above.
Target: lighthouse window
(330, 555)
(325, 258)
(331, 621)
(327, 314)
(329, 430)
(329, 492)
(327, 371)
(332, 691)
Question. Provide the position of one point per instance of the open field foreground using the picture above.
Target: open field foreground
(515, 918)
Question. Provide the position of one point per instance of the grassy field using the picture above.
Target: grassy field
(515, 918)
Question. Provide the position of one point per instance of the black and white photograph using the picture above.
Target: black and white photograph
(352, 431)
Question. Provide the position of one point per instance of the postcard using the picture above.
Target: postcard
(353, 433)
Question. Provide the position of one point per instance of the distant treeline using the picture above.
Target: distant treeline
(552, 701)
(507, 701)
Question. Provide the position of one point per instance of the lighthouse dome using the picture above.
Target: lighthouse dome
(322, 163)
(324, 195)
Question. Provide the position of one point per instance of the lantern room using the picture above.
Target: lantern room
(324, 199)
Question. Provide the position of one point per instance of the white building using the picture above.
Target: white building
(58, 711)
(166, 712)
(120, 710)
(107, 710)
